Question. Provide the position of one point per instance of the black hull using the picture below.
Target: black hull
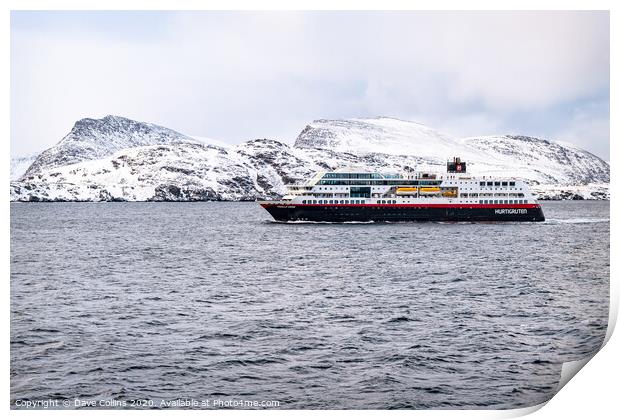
(404, 213)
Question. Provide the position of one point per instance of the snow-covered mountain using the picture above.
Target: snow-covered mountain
(119, 159)
(542, 160)
(537, 160)
(382, 135)
(92, 139)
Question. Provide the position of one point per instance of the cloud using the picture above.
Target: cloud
(241, 75)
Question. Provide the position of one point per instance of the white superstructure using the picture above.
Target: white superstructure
(350, 186)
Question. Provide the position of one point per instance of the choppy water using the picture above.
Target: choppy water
(162, 301)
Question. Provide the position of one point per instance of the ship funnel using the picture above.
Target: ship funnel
(456, 166)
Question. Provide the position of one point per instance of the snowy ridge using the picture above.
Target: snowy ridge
(91, 139)
(543, 160)
(537, 160)
(211, 142)
(381, 135)
(115, 159)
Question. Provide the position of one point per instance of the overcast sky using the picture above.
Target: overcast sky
(236, 76)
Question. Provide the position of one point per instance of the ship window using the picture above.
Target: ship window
(512, 183)
(363, 201)
(504, 184)
(346, 201)
(479, 201)
(303, 201)
(482, 183)
(489, 184)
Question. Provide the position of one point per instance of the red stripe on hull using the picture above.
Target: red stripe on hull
(441, 206)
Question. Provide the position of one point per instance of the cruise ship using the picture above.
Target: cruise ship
(347, 195)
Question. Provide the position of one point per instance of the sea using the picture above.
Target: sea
(213, 305)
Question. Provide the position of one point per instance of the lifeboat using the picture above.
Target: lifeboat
(429, 190)
(406, 191)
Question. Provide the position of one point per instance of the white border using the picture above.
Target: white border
(593, 393)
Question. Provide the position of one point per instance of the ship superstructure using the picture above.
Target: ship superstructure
(355, 195)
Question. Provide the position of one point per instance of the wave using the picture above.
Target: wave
(578, 220)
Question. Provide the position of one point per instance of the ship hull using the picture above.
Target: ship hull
(288, 212)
